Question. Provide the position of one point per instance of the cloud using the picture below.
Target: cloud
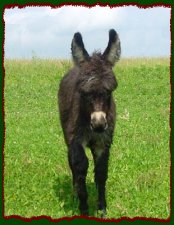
(48, 32)
(148, 34)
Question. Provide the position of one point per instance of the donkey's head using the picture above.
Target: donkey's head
(96, 79)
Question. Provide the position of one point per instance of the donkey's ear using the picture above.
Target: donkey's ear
(79, 52)
(113, 50)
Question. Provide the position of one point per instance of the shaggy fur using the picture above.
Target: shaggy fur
(84, 91)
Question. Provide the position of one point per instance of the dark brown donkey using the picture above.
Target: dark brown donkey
(87, 114)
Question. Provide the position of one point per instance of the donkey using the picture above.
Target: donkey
(87, 115)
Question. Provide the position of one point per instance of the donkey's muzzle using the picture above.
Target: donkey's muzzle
(98, 121)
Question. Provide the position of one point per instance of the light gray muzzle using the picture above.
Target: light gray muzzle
(98, 121)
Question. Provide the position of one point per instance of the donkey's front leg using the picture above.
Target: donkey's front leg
(79, 166)
(101, 174)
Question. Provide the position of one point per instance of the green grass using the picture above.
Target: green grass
(37, 179)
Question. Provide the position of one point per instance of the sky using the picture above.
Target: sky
(47, 33)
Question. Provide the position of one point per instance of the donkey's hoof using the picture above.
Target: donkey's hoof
(84, 213)
(101, 213)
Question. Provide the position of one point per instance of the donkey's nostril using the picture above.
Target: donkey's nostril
(91, 126)
(106, 126)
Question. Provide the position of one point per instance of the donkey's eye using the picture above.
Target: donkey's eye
(83, 94)
(106, 95)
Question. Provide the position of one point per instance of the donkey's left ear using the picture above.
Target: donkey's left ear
(79, 52)
(113, 50)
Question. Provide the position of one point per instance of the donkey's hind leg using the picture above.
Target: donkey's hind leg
(73, 175)
(79, 166)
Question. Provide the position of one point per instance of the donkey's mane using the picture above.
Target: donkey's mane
(97, 62)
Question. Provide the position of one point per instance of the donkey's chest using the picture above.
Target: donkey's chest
(96, 142)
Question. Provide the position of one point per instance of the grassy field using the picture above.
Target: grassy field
(37, 179)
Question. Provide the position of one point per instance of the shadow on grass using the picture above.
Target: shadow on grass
(67, 201)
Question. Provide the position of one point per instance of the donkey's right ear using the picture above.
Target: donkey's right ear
(79, 52)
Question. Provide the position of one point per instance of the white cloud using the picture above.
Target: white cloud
(48, 32)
